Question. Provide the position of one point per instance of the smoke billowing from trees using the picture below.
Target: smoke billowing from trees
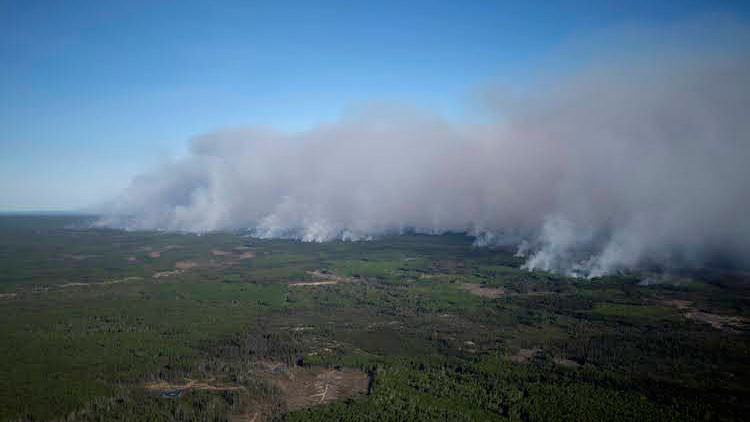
(608, 168)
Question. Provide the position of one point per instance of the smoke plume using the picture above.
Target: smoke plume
(612, 167)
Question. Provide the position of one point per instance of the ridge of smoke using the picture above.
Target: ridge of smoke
(606, 170)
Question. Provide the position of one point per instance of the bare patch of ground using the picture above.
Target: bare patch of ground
(566, 362)
(470, 346)
(679, 304)
(185, 265)
(324, 278)
(121, 280)
(720, 322)
(479, 290)
(326, 275)
(235, 257)
(313, 283)
(306, 387)
(161, 274)
(102, 283)
(172, 390)
(260, 409)
(180, 268)
(524, 355)
(73, 284)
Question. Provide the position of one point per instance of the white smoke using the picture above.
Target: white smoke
(608, 169)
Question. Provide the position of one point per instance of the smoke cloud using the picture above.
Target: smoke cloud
(645, 161)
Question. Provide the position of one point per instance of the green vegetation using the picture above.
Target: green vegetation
(90, 318)
(622, 310)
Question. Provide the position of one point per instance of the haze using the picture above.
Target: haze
(611, 140)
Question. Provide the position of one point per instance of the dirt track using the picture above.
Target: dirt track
(102, 283)
(163, 386)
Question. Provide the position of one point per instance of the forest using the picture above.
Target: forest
(102, 324)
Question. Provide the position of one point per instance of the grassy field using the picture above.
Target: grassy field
(108, 325)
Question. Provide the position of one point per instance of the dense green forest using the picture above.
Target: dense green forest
(100, 324)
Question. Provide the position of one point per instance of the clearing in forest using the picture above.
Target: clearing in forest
(479, 290)
(323, 278)
(305, 387)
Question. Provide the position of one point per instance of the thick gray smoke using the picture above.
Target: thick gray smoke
(610, 168)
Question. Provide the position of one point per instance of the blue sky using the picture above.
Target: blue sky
(91, 93)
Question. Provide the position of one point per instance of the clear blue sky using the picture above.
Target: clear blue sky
(94, 92)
